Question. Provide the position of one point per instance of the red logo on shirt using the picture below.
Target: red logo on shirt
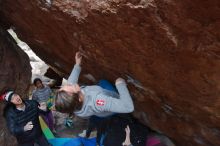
(100, 102)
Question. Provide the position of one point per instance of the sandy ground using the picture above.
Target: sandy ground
(63, 131)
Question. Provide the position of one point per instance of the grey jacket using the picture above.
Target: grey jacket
(101, 102)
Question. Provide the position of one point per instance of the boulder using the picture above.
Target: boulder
(167, 50)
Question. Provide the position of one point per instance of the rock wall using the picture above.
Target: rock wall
(15, 73)
(168, 50)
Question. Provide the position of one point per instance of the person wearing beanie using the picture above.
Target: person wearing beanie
(22, 120)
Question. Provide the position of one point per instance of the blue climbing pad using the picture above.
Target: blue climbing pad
(81, 141)
(58, 141)
(73, 141)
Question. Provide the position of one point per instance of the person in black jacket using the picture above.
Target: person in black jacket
(22, 120)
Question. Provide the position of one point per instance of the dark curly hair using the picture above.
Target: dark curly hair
(36, 80)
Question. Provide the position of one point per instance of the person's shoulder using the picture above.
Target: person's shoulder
(47, 87)
(32, 102)
(100, 100)
(34, 91)
(10, 111)
(92, 89)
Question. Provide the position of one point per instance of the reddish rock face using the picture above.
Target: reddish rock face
(14, 65)
(170, 48)
(15, 73)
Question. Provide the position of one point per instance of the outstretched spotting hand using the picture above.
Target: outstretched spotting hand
(127, 141)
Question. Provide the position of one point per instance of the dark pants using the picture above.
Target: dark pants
(96, 123)
(101, 125)
(41, 141)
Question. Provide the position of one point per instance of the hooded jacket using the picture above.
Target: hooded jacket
(101, 102)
